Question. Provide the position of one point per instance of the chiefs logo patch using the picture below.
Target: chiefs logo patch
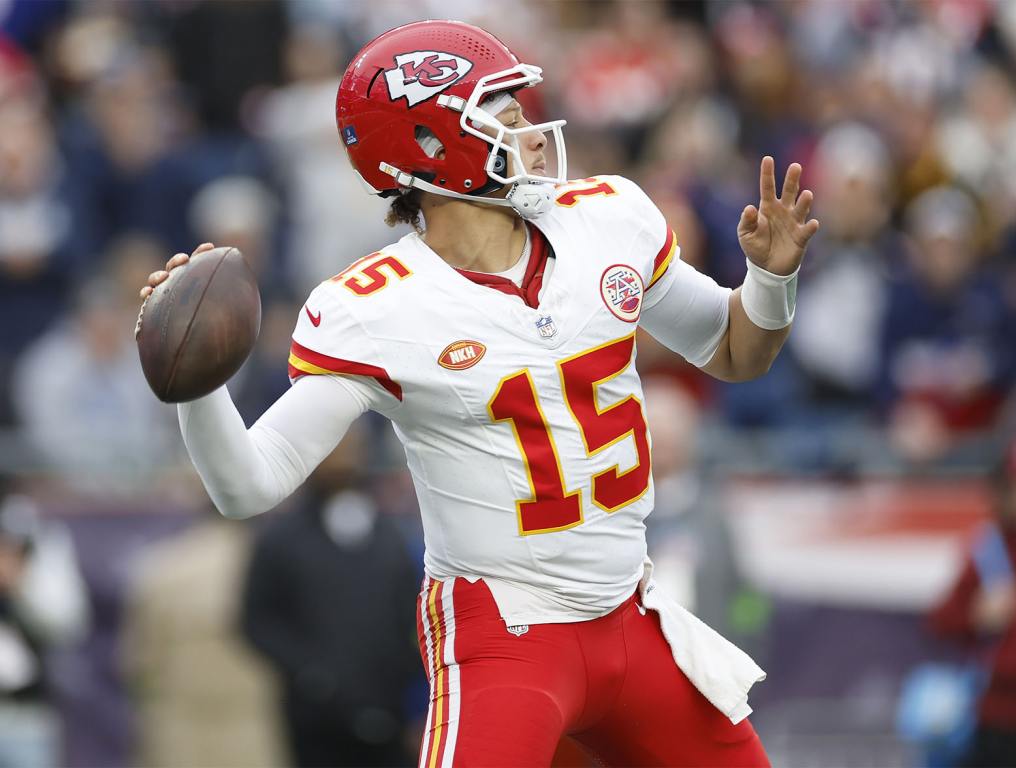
(622, 289)
(460, 355)
(420, 75)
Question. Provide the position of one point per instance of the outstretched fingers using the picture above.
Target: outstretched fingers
(805, 232)
(803, 206)
(767, 180)
(749, 220)
(791, 184)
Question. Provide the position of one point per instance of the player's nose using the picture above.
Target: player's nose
(537, 141)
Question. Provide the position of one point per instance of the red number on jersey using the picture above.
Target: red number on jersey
(353, 267)
(549, 507)
(364, 276)
(580, 376)
(572, 196)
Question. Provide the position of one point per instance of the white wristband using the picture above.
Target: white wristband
(769, 300)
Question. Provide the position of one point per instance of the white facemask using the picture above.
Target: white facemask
(531, 194)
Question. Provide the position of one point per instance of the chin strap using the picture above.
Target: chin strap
(528, 199)
(531, 200)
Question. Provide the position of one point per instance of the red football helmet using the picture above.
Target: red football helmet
(422, 87)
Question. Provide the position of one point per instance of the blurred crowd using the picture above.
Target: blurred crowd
(134, 129)
(129, 131)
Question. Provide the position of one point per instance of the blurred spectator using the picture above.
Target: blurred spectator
(947, 358)
(223, 53)
(843, 293)
(203, 698)
(622, 74)
(84, 47)
(27, 22)
(79, 391)
(827, 37)
(39, 256)
(90, 680)
(759, 64)
(263, 379)
(332, 221)
(978, 142)
(125, 139)
(691, 161)
(921, 57)
(43, 604)
(329, 601)
(242, 212)
(981, 605)
(687, 532)
(694, 173)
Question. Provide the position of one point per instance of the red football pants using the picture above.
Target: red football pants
(505, 699)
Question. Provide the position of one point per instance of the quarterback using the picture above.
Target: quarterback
(499, 339)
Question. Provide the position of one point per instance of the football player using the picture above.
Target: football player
(500, 342)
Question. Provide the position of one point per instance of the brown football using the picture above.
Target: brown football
(196, 328)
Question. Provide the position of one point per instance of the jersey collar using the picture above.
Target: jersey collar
(532, 281)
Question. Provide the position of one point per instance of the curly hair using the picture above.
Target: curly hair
(405, 209)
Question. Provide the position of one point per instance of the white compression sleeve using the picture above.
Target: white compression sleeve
(687, 312)
(247, 472)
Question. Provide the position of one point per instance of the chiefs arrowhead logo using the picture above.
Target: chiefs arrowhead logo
(420, 75)
(460, 355)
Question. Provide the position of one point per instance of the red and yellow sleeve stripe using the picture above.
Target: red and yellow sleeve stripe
(303, 361)
(664, 257)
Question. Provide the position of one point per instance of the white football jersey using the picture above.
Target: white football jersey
(524, 427)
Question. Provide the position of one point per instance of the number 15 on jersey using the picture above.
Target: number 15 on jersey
(551, 507)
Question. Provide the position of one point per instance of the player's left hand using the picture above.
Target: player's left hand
(775, 234)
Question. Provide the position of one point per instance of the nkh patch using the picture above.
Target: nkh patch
(460, 355)
(518, 629)
(622, 289)
(420, 75)
(349, 134)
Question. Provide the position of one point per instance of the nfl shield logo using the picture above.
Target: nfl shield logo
(545, 325)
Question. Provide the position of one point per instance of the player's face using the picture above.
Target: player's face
(531, 144)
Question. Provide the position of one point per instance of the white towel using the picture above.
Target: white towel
(721, 671)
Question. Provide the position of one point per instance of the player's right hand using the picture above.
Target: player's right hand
(178, 260)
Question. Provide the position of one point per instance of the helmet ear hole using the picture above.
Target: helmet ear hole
(499, 164)
(429, 143)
